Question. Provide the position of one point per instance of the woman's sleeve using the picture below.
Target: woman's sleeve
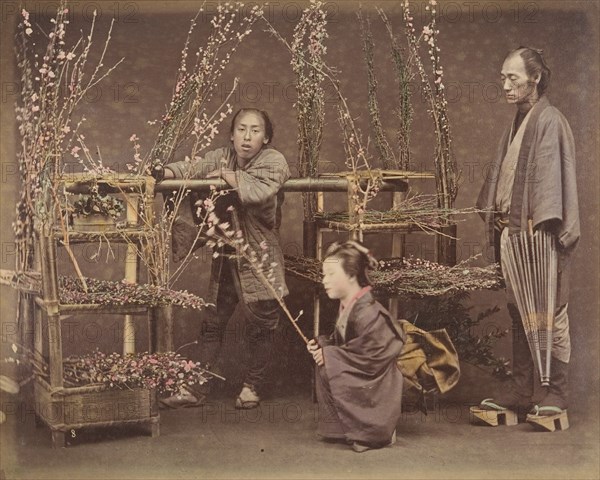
(373, 347)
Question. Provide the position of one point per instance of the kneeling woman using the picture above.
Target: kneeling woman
(359, 386)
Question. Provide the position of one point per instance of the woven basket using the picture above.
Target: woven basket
(71, 408)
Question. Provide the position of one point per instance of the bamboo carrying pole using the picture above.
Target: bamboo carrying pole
(321, 184)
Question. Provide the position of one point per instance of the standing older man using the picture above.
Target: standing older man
(533, 180)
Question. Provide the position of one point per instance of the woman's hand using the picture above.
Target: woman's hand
(316, 351)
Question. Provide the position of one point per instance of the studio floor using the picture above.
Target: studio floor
(278, 440)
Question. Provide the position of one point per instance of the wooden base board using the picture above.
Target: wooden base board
(549, 423)
(493, 417)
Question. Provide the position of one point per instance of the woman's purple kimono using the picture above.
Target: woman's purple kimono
(359, 388)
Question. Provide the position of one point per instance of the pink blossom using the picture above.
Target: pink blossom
(28, 31)
(189, 365)
(35, 108)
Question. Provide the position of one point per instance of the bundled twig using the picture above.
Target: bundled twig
(404, 112)
(417, 277)
(307, 50)
(191, 119)
(357, 157)
(108, 292)
(104, 292)
(471, 334)
(386, 154)
(166, 372)
(53, 83)
(420, 211)
(413, 277)
(25, 282)
(445, 164)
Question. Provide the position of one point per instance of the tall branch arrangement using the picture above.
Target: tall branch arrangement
(192, 121)
(357, 157)
(403, 68)
(445, 164)
(53, 83)
(386, 154)
(189, 117)
(307, 50)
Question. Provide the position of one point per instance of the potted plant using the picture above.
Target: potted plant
(96, 212)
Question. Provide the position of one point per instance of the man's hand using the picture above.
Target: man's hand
(500, 223)
(225, 173)
(160, 173)
(316, 351)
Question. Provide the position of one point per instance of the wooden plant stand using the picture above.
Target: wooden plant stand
(67, 409)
